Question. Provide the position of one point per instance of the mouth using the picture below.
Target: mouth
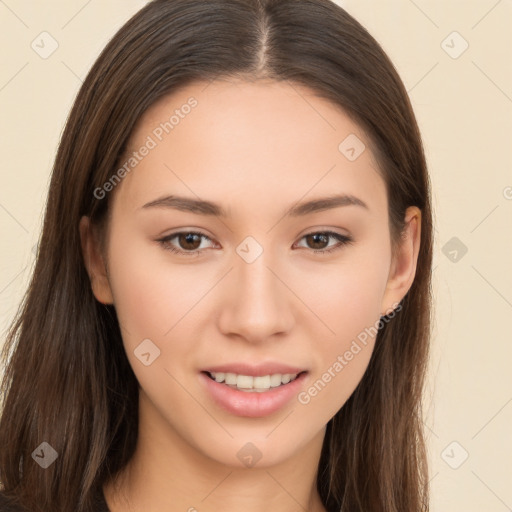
(252, 396)
(253, 384)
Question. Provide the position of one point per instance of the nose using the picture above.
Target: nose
(256, 304)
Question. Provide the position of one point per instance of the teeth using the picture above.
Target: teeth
(230, 378)
(261, 382)
(249, 383)
(275, 380)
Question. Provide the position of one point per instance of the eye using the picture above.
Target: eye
(322, 237)
(186, 239)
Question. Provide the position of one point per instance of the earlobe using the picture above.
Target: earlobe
(403, 266)
(94, 262)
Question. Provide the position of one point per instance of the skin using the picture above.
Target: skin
(255, 148)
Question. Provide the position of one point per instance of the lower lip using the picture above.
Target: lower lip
(252, 404)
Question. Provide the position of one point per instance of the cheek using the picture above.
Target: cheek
(352, 312)
(151, 294)
(347, 297)
(153, 299)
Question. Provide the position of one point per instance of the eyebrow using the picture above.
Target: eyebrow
(203, 207)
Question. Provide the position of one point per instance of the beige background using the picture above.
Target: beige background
(463, 102)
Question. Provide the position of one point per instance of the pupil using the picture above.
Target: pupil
(189, 240)
(316, 237)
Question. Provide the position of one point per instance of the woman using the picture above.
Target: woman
(231, 301)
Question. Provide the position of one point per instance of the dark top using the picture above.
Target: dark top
(100, 504)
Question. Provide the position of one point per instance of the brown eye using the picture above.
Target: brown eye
(317, 240)
(188, 243)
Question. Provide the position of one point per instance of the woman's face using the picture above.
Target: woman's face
(248, 290)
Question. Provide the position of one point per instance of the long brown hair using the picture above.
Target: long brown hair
(67, 379)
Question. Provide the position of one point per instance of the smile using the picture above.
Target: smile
(252, 384)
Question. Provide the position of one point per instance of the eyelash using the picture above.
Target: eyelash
(343, 240)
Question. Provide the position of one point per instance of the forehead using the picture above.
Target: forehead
(237, 142)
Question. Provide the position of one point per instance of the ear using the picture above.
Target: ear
(94, 262)
(404, 261)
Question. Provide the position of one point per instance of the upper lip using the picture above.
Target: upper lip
(255, 370)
